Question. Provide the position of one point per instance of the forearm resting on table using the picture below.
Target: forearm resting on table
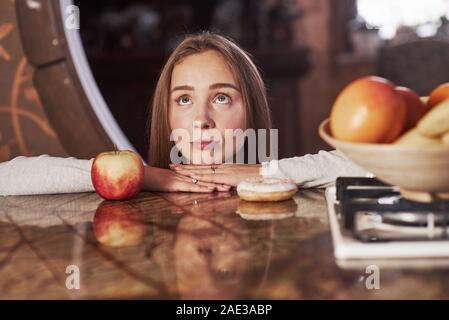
(45, 175)
(150, 178)
(313, 170)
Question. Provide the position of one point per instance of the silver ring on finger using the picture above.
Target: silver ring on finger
(194, 181)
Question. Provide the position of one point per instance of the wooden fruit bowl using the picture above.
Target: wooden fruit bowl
(422, 173)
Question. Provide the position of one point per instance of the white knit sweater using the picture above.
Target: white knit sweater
(48, 175)
(44, 175)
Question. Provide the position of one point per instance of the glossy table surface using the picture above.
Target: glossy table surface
(188, 246)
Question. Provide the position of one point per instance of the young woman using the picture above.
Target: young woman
(208, 84)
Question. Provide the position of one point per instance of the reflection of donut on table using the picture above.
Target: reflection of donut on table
(266, 189)
(267, 211)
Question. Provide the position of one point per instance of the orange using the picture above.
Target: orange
(439, 94)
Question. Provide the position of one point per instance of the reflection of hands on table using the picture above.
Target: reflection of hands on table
(158, 179)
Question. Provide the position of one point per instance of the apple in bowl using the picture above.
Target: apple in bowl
(117, 175)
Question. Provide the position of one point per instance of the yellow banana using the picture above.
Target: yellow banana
(436, 121)
(413, 138)
(445, 138)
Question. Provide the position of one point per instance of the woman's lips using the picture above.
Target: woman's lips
(204, 144)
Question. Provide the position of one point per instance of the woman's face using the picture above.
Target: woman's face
(205, 99)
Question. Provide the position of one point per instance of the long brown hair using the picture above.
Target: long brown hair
(251, 84)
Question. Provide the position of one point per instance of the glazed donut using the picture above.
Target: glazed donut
(266, 189)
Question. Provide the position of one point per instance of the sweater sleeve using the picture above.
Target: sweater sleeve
(314, 170)
(45, 175)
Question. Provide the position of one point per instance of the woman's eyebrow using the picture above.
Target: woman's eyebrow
(212, 86)
(223, 85)
(185, 87)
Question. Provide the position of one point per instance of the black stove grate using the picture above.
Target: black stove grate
(357, 194)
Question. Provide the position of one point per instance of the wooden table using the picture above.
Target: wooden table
(184, 246)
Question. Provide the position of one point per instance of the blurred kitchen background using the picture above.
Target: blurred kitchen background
(307, 50)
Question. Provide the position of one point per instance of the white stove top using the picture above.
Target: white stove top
(349, 250)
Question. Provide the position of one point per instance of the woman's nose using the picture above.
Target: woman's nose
(203, 119)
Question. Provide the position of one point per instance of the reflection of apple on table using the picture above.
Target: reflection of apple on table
(267, 210)
(117, 175)
(119, 224)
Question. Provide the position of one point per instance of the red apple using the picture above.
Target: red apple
(118, 224)
(416, 109)
(368, 110)
(117, 175)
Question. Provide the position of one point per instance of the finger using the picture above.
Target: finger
(217, 165)
(189, 179)
(189, 166)
(190, 187)
(214, 178)
(184, 186)
(223, 188)
(218, 187)
(201, 171)
(191, 173)
(192, 169)
(186, 173)
(199, 166)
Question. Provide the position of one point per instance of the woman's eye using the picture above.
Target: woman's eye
(184, 100)
(222, 99)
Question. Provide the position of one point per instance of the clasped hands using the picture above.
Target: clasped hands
(198, 178)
